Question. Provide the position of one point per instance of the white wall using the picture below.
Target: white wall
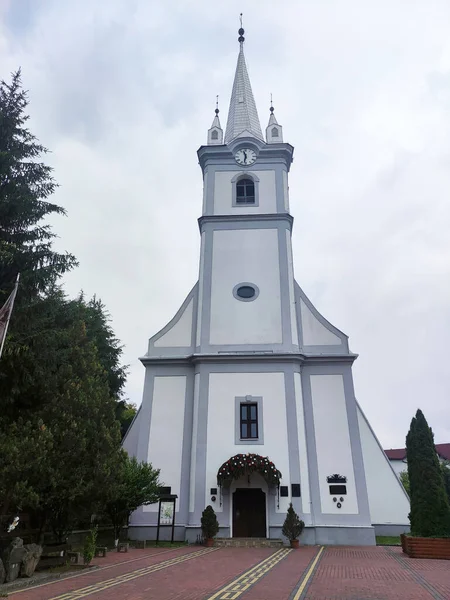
(180, 333)
(194, 443)
(205, 191)
(166, 431)
(399, 466)
(314, 333)
(387, 501)
(402, 465)
(223, 389)
(286, 191)
(292, 304)
(200, 289)
(223, 194)
(245, 255)
(131, 438)
(304, 471)
(334, 454)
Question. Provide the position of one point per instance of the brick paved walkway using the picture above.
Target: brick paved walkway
(310, 573)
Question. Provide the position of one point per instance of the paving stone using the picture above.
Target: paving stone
(180, 574)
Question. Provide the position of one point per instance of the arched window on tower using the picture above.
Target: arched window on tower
(245, 191)
(275, 132)
(215, 135)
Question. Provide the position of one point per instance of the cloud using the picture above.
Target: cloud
(123, 93)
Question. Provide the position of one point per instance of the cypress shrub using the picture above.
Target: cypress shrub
(430, 509)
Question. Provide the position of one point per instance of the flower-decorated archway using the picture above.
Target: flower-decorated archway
(245, 464)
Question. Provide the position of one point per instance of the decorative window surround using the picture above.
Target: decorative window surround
(237, 420)
(234, 181)
(245, 284)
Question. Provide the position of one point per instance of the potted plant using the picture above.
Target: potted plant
(210, 525)
(292, 526)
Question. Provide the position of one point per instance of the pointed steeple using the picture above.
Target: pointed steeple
(274, 132)
(242, 117)
(215, 133)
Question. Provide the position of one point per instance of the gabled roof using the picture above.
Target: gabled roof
(397, 454)
(400, 453)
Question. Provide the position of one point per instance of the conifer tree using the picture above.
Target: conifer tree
(60, 372)
(430, 510)
(26, 184)
(293, 525)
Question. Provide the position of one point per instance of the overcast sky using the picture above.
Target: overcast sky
(123, 92)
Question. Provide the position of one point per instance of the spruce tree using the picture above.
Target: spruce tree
(60, 372)
(26, 184)
(430, 510)
(293, 525)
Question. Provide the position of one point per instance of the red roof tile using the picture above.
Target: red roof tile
(400, 453)
(443, 450)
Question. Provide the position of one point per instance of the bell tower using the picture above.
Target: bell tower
(246, 293)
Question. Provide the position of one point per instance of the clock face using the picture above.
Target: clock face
(245, 156)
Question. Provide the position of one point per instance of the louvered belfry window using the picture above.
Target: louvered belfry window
(245, 191)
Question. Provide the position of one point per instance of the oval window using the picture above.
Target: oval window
(246, 292)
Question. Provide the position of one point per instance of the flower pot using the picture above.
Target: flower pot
(209, 542)
(419, 547)
(294, 543)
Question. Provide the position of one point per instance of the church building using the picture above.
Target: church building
(248, 399)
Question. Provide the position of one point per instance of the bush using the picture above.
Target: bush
(293, 525)
(210, 524)
(90, 544)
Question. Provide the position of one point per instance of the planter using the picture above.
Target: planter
(420, 547)
(209, 542)
(294, 543)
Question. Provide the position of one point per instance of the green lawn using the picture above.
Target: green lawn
(388, 540)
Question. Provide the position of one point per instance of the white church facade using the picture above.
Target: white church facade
(248, 399)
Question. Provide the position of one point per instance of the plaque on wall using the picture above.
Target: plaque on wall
(295, 490)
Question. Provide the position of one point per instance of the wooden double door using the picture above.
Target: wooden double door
(249, 513)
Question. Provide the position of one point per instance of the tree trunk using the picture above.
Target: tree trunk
(41, 532)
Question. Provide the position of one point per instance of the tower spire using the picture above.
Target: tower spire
(243, 117)
(215, 133)
(274, 131)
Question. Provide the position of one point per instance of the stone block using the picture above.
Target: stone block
(75, 558)
(30, 559)
(12, 559)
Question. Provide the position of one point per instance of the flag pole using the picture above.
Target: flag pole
(9, 309)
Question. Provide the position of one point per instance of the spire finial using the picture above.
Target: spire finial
(242, 115)
(241, 32)
(271, 104)
(217, 105)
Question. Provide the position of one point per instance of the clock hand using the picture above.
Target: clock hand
(245, 156)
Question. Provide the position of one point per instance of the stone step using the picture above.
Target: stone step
(248, 542)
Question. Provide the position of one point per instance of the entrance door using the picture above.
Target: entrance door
(249, 513)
